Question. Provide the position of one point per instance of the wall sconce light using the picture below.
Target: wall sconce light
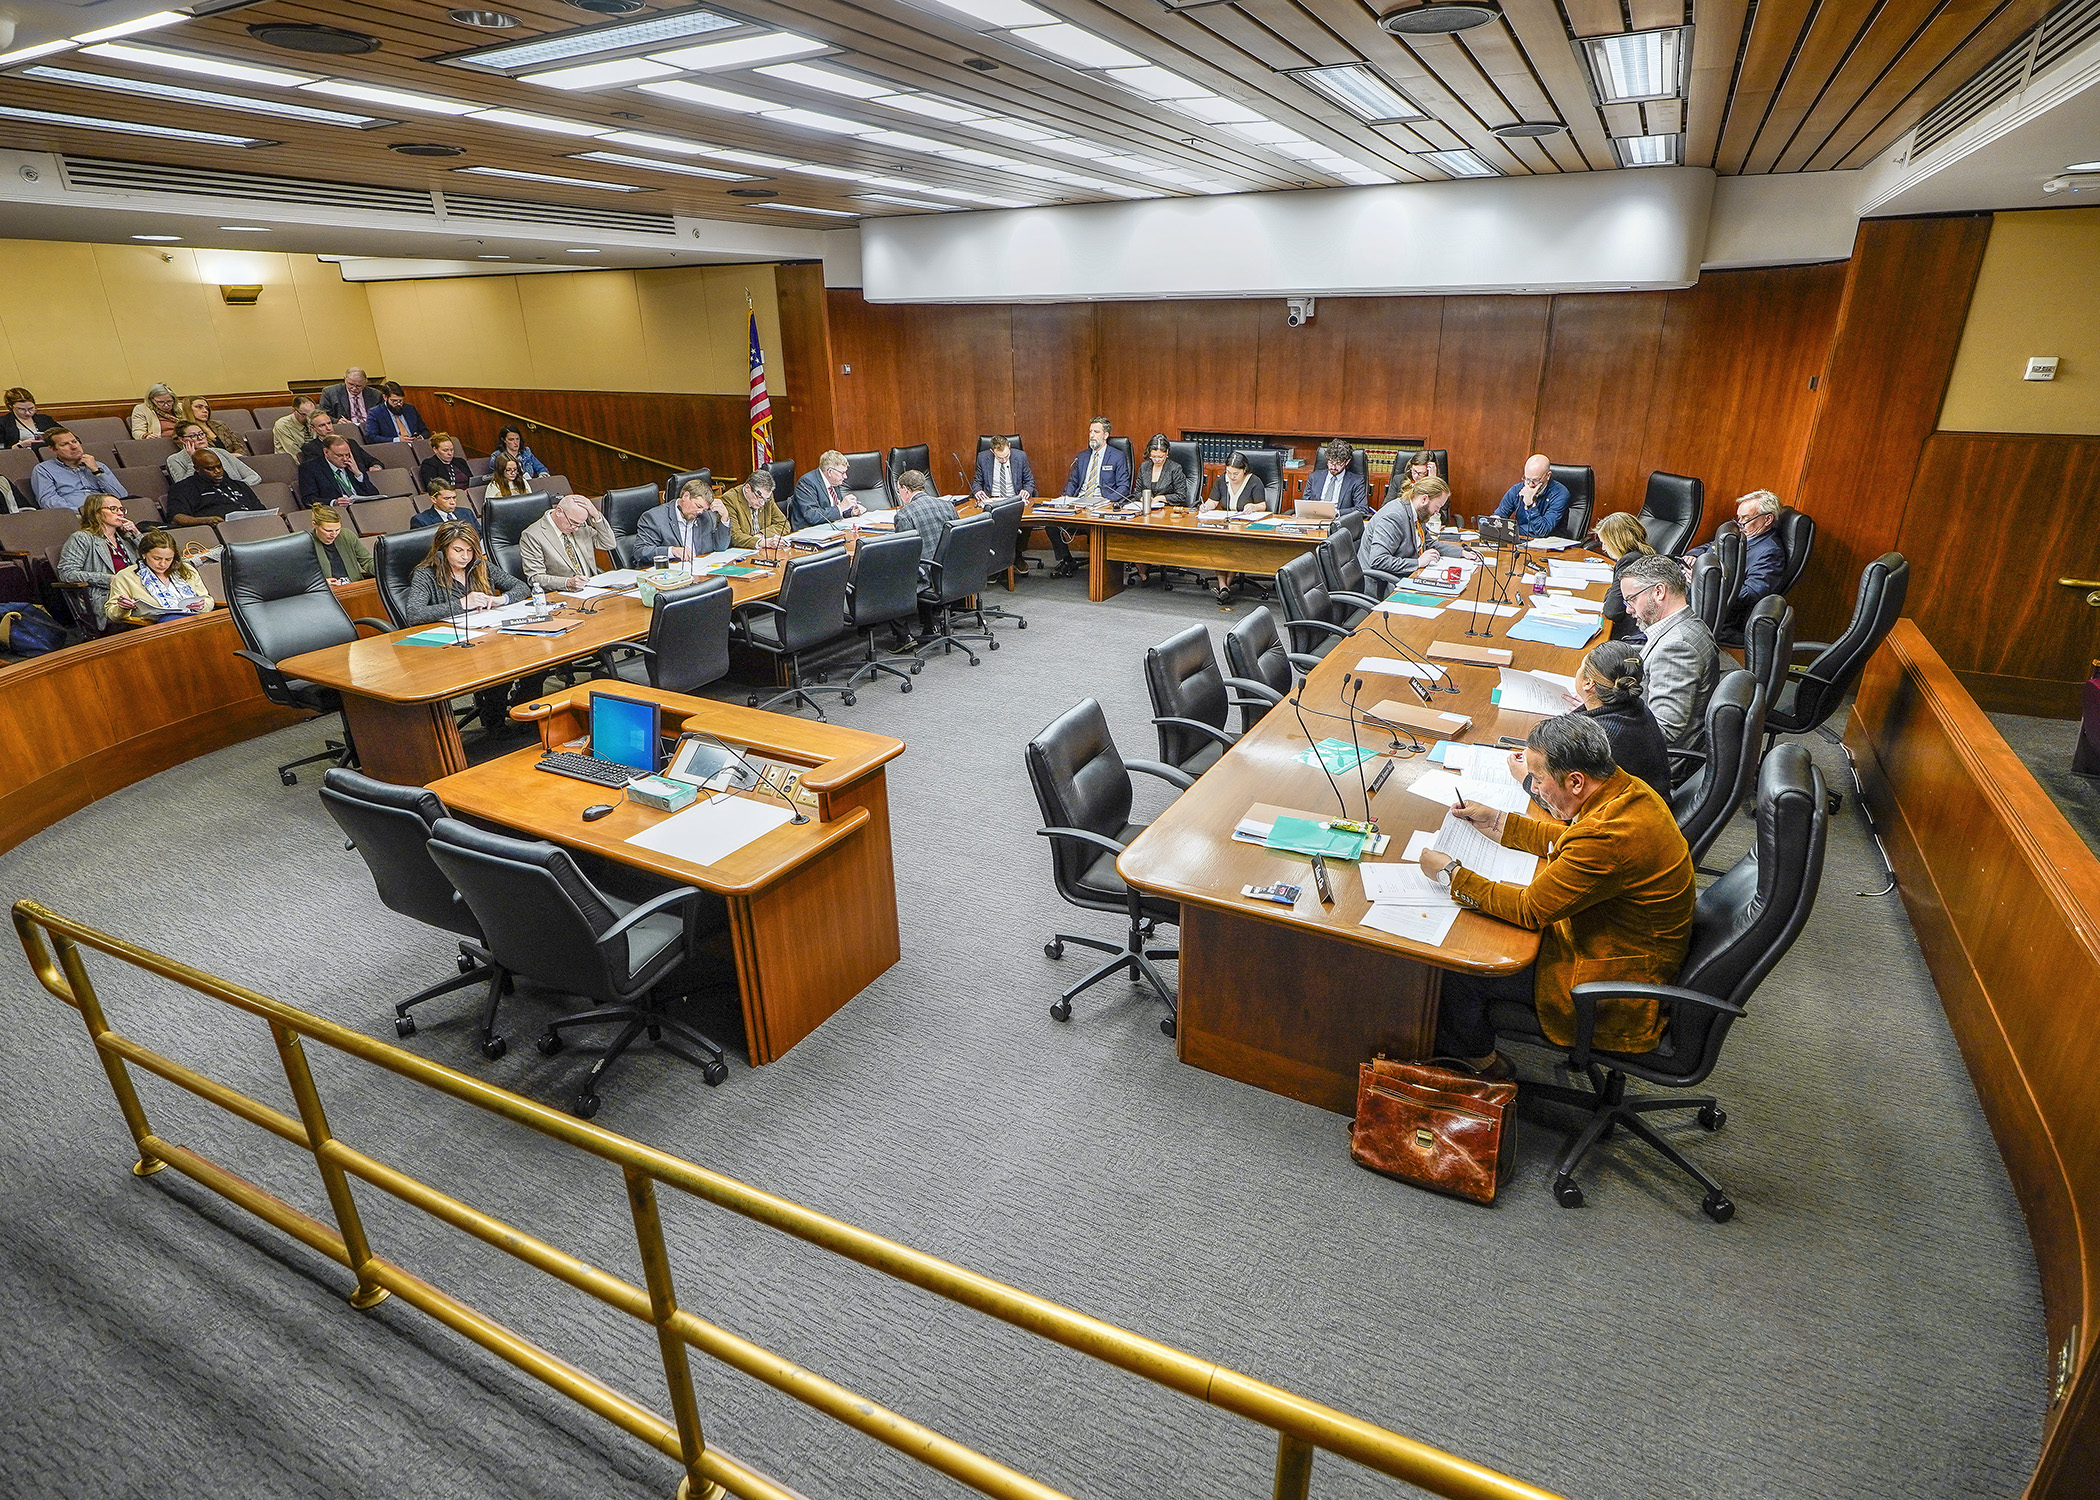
(241, 296)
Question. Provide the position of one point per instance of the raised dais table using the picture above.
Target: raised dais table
(1176, 537)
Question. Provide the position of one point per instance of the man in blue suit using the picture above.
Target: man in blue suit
(1333, 484)
(1764, 556)
(820, 495)
(1538, 504)
(1002, 471)
(1100, 474)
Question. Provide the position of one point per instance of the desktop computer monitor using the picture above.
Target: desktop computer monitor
(626, 731)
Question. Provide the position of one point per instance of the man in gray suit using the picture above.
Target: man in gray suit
(1680, 659)
(350, 399)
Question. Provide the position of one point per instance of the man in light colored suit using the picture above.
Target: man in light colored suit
(1679, 658)
(559, 549)
(1002, 471)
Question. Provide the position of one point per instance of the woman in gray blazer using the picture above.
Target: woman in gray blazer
(105, 545)
(457, 574)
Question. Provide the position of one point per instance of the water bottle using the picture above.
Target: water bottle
(539, 597)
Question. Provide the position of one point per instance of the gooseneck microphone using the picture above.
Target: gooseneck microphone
(1319, 759)
(1355, 745)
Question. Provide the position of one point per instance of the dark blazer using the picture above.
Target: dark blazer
(317, 484)
(217, 499)
(1636, 742)
(1350, 493)
(336, 400)
(1764, 564)
(811, 505)
(1622, 624)
(1024, 473)
(1115, 474)
(431, 517)
(457, 473)
(311, 453)
(11, 429)
(663, 528)
(389, 426)
(1171, 486)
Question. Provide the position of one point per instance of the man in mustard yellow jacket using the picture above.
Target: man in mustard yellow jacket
(1613, 897)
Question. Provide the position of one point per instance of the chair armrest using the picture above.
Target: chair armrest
(1380, 576)
(1223, 737)
(1690, 760)
(1260, 690)
(1304, 661)
(379, 625)
(1084, 836)
(1586, 997)
(272, 674)
(1350, 597)
(1810, 648)
(1164, 772)
(1339, 632)
(673, 897)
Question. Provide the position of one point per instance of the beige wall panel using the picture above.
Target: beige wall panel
(2034, 296)
(467, 330)
(338, 319)
(58, 323)
(259, 347)
(726, 287)
(584, 330)
(683, 341)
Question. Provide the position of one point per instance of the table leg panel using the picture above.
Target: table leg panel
(412, 744)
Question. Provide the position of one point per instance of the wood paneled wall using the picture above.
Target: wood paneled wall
(694, 432)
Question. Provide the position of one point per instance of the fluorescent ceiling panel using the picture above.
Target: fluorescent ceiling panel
(899, 140)
(631, 37)
(1077, 46)
(146, 88)
(1647, 150)
(1000, 13)
(1217, 111)
(1459, 164)
(1362, 92)
(655, 142)
(1013, 130)
(742, 52)
(1157, 83)
(344, 88)
(129, 127)
(525, 121)
(810, 119)
(1264, 132)
(943, 208)
(1085, 150)
(933, 107)
(211, 67)
(709, 98)
(24, 54)
(983, 158)
(682, 168)
(582, 182)
(153, 22)
(1362, 176)
(843, 174)
(1636, 65)
(602, 74)
(829, 80)
(797, 208)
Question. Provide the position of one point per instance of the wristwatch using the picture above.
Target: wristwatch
(1451, 867)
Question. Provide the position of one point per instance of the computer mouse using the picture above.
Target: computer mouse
(593, 814)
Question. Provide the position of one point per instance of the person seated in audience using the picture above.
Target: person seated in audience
(157, 415)
(393, 420)
(157, 586)
(195, 438)
(1764, 556)
(1612, 899)
(445, 463)
(105, 545)
(1538, 502)
(1397, 540)
(507, 477)
(1622, 538)
(209, 494)
(324, 429)
(71, 474)
(693, 525)
(22, 424)
(920, 509)
(343, 555)
(10, 502)
(1003, 471)
(350, 399)
(333, 475)
(291, 433)
(1679, 655)
(1100, 475)
(559, 550)
(1235, 491)
(511, 442)
(457, 577)
(755, 516)
(223, 438)
(1334, 490)
(446, 504)
(820, 496)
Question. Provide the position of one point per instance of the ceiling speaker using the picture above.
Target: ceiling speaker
(609, 7)
(426, 148)
(302, 38)
(1437, 19)
(1528, 130)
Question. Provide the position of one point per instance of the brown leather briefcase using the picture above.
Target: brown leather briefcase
(1435, 1128)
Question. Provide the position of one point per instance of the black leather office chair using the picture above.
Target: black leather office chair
(1581, 480)
(1265, 464)
(1707, 592)
(1768, 643)
(1812, 693)
(783, 472)
(389, 826)
(543, 920)
(1672, 510)
(1007, 533)
(282, 607)
(1188, 457)
(1351, 527)
(866, 484)
(688, 644)
(1082, 786)
(1348, 580)
(675, 484)
(1013, 440)
(1124, 446)
(1314, 620)
(808, 612)
(395, 559)
(1742, 927)
(624, 508)
(1190, 701)
(884, 591)
(1262, 675)
(1720, 774)
(1441, 457)
(912, 456)
(504, 521)
(1797, 532)
(956, 574)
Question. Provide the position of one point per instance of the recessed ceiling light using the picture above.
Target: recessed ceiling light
(1647, 150)
(2083, 166)
(587, 40)
(211, 67)
(153, 22)
(600, 75)
(709, 98)
(904, 140)
(655, 142)
(486, 20)
(939, 208)
(684, 169)
(1362, 92)
(1529, 130)
(1358, 176)
(608, 7)
(1438, 19)
(131, 127)
(246, 228)
(742, 52)
(1013, 130)
(159, 239)
(344, 88)
(583, 182)
(24, 54)
(1075, 45)
(580, 252)
(830, 81)
(526, 121)
(146, 88)
(933, 107)
(983, 158)
(1085, 150)
(843, 174)
(1459, 164)
(1217, 111)
(1000, 13)
(1263, 132)
(295, 36)
(810, 119)
(1157, 83)
(1636, 65)
(797, 208)
(492, 257)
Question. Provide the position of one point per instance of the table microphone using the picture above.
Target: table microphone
(960, 477)
(1319, 759)
(757, 780)
(1409, 654)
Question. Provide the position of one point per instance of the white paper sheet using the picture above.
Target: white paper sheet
(1423, 924)
(1442, 786)
(1552, 543)
(1418, 611)
(1525, 693)
(1487, 763)
(1392, 666)
(618, 578)
(1576, 573)
(1575, 602)
(586, 593)
(1420, 839)
(712, 828)
(1482, 607)
(481, 618)
(1563, 681)
(1476, 851)
(1403, 885)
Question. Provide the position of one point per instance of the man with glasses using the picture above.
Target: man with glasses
(1679, 657)
(195, 438)
(1539, 502)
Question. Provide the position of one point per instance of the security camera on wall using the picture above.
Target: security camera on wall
(1298, 311)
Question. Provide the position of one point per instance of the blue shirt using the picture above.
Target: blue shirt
(60, 485)
(1543, 516)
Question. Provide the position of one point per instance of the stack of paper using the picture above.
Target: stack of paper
(618, 578)
(1407, 903)
(1482, 607)
(1392, 666)
(1444, 787)
(1552, 543)
(1403, 607)
(1551, 628)
(1572, 574)
(1476, 851)
(1484, 763)
(1527, 693)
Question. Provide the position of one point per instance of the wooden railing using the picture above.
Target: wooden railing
(531, 424)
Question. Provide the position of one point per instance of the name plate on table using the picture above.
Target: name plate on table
(1486, 656)
(1417, 716)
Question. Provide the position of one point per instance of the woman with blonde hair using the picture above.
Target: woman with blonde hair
(159, 586)
(198, 409)
(105, 545)
(1622, 538)
(157, 415)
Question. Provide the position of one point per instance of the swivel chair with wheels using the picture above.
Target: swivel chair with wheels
(1797, 533)
(1742, 926)
(1190, 701)
(808, 612)
(1674, 506)
(390, 826)
(1265, 464)
(901, 460)
(1188, 457)
(623, 510)
(395, 559)
(1812, 693)
(1768, 643)
(282, 607)
(783, 472)
(1441, 457)
(688, 644)
(1013, 440)
(1348, 580)
(1006, 534)
(545, 922)
(884, 592)
(1262, 672)
(1716, 778)
(1083, 788)
(1706, 591)
(1312, 616)
(956, 574)
(1581, 482)
(866, 482)
(504, 519)
(674, 484)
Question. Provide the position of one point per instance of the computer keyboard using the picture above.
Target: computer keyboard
(587, 768)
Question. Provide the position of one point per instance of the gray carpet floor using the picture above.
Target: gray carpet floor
(2044, 747)
(1869, 1325)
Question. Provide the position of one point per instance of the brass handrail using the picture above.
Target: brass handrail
(448, 397)
(1301, 1425)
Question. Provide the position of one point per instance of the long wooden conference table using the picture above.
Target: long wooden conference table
(1176, 537)
(1293, 999)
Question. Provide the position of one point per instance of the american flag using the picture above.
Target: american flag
(761, 404)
